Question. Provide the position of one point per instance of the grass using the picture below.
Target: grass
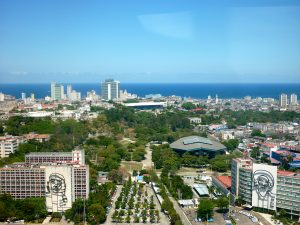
(134, 165)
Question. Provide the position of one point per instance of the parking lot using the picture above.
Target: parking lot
(219, 218)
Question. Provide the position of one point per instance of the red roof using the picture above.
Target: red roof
(197, 109)
(285, 173)
(225, 180)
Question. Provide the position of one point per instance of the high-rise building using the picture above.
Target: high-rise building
(283, 100)
(1, 97)
(110, 89)
(264, 186)
(208, 99)
(294, 100)
(217, 99)
(32, 97)
(23, 96)
(57, 91)
(69, 91)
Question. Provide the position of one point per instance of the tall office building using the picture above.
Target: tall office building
(57, 91)
(294, 100)
(110, 89)
(283, 100)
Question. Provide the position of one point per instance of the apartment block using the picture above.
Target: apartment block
(8, 145)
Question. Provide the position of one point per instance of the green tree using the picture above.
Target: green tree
(96, 214)
(257, 133)
(205, 209)
(255, 153)
(223, 203)
(231, 144)
(188, 105)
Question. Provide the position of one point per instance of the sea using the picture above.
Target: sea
(195, 90)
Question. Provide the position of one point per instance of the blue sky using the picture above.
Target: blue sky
(150, 41)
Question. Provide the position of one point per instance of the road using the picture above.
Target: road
(257, 215)
(111, 211)
(147, 162)
(180, 212)
(163, 218)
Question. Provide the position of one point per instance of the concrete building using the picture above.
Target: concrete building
(61, 184)
(264, 186)
(91, 96)
(57, 91)
(69, 91)
(37, 137)
(1, 97)
(73, 95)
(195, 120)
(110, 90)
(23, 96)
(283, 100)
(198, 146)
(76, 157)
(61, 177)
(294, 100)
(222, 183)
(8, 145)
(32, 97)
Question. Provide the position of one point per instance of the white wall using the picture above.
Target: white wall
(59, 188)
(264, 183)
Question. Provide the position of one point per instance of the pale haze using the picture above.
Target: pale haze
(150, 41)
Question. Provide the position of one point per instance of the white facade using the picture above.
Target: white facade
(1, 97)
(23, 96)
(264, 186)
(60, 192)
(283, 100)
(57, 91)
(294, 100)
(110, 89)
(196, 120)
(8, 145)
(69, 91)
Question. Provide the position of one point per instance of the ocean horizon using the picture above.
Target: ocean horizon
(193, 90)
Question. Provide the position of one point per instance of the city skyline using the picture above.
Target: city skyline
(168, 41)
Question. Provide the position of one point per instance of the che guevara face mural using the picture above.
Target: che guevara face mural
(56, 189)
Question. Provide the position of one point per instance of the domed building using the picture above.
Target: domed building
(197, 145)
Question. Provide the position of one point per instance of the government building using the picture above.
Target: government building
(59, 178)
(264, 186)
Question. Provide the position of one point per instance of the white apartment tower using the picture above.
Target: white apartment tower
(69, 91)
(1, 97)
(283, 100)
(294, 100)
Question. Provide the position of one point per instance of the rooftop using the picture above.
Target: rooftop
(61, 154)
(191, 143)
(225, 180)
(201, 189)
